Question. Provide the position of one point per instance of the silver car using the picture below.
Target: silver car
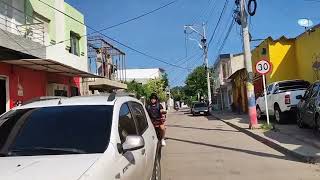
(200, 108)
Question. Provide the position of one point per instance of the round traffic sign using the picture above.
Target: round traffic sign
(263, 67)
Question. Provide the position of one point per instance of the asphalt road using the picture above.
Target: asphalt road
(203, 148)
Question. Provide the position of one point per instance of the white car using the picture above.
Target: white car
(282, 99)
(79, 138)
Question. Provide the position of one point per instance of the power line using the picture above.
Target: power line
(220, 17)
(112, 39)
(115, 25)
(179, 78)
(112, 26)
(226, 27)
(198, 18)
(211, 12)
(225, 39)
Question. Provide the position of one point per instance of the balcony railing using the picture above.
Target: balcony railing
(18, 22)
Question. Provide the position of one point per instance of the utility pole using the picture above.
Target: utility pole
(205, 51)
(247, 59)
(204, 47)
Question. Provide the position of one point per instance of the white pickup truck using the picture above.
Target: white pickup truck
(282, 99)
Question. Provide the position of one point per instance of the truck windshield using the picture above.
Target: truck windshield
(293, 85)
(55, 130)
(200, 105)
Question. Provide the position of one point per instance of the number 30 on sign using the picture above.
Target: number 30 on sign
(263, 67)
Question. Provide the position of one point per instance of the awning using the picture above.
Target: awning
(235, 73)
(51, 66)
(104, 84)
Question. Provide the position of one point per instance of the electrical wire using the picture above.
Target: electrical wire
(225, 27)
(225, 38)
(114, 40)
(211, 12)
(220, 17)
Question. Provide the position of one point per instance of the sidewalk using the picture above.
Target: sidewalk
(289, 139)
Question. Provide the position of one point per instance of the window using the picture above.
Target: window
(264, 51)
(276, 89)
(56, 130)
(140, 117)
(200, 105)
(269, 89)
(74, 43)
(127, 125)
(74, 91)
(224, 70)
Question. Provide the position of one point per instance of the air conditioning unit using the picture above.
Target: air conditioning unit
(54, 89)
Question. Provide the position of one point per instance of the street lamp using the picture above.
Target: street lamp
(204, 47)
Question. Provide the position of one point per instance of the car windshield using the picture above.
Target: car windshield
(55, 130)
(200, 105)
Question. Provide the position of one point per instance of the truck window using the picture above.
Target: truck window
(269, 89)
(293, 85)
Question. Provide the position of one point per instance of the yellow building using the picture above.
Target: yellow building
(308, 54)
(281, 53)
(295, 58)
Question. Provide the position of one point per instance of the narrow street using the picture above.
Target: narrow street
(203, 148)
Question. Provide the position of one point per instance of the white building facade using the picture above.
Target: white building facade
(226, 65)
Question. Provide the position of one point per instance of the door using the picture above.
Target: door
(310, 105)
(132, 163)
(147, 132)
(303, 104)
(3, 96)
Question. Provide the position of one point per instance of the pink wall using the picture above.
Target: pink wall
(33, 82)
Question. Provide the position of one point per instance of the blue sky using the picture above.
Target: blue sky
(161, 33)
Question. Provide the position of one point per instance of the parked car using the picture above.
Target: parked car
(200, 108)
(91, 138)
(308, 107)
(282, 99)
(191, 107)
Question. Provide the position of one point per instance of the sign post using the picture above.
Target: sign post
(263, 67)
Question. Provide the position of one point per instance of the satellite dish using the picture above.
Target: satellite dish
(304, 22)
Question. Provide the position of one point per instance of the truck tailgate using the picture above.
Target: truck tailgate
(293, 96)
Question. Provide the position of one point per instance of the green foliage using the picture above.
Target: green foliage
(267, 127)
(177, 93)
(136, 88)
(156, 86)
(196, 82)
(165, 80)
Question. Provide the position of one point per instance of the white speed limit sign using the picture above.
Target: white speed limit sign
(263, 67)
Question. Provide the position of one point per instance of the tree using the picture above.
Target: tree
(156, 86)
(177, 93)
(136, 88)
(196, 82)
(165, 80)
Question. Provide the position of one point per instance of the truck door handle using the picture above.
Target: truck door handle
(153, 137)
(143, 151)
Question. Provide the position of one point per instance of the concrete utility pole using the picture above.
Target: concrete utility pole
(204, 47)
(247, 59)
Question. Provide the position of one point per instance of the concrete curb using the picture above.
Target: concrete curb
(274, 145)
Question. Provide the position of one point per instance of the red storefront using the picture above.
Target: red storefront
(20, 84)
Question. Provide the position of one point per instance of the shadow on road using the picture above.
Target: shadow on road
(205, 129)
(261, 154)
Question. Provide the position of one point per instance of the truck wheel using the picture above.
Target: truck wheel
(300, 122)
(278, 115)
